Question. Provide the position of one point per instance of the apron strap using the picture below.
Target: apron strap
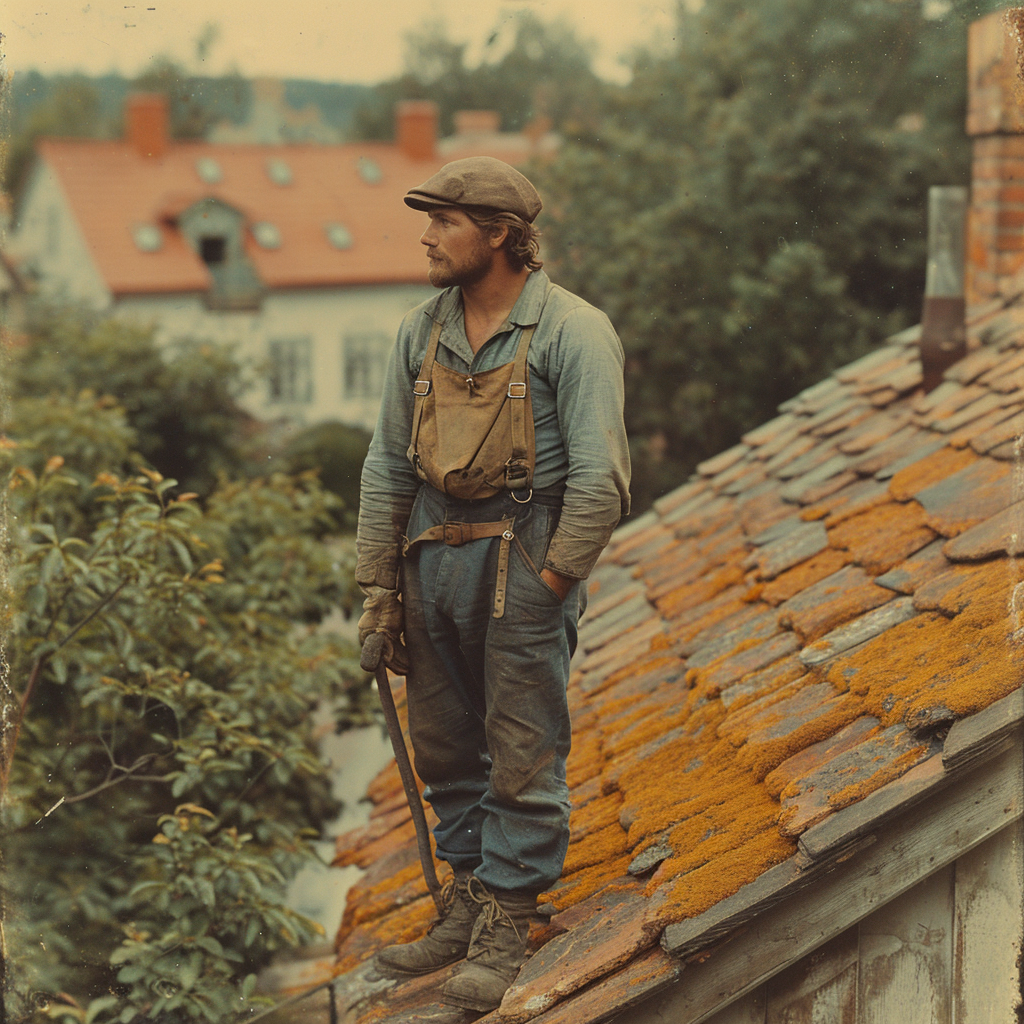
(421, 387)
(517, 468)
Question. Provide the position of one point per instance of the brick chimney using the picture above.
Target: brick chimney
(417, 128)
(995, 123)
(146, 123)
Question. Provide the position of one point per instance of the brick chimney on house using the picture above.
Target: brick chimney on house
(417, 128)
(146, 123)
(995, 123)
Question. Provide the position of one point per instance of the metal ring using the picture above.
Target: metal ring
(522, 501)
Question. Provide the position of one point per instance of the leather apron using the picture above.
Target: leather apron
(473, 437)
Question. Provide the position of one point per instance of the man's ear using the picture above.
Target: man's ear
(498, 234)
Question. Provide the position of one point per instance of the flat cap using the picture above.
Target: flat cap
(478, 181)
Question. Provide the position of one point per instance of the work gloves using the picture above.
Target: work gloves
(383, 613)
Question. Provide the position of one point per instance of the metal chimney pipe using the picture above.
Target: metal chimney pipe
(943, 336)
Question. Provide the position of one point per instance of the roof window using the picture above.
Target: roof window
(209, 170)
(213, 249)
(267, 234)
(279, 172)
(338, 235)
(147, 238)
(369, 170)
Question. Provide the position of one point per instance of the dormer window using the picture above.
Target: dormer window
(213, 249)
(267, 234)
(369, 170)
(208, 170)
(338, 235)
(279, 172)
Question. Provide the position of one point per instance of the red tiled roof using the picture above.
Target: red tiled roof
(112, 189)
(791, 632)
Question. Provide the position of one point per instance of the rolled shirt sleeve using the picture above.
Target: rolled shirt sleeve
(388, 483)
(585, 366)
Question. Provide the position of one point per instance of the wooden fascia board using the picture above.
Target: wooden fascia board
(933, 834)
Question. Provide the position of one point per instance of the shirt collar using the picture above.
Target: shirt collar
(525, 312)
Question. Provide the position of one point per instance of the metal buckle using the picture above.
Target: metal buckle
(421, 388)
(516, 393)
(453, 535)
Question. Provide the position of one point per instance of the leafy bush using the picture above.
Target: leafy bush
(337, 452)
(160, 660)
(181, 399)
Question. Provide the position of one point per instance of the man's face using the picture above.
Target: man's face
(458, 251)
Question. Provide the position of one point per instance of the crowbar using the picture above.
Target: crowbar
(371, 660)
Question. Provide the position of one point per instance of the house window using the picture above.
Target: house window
(363, 358)
(290, 370)
(213, 249)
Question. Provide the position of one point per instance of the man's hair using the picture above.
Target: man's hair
(521, 244)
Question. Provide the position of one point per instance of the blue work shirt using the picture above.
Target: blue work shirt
(576, 387)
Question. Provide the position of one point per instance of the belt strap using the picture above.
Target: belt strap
(457, 534)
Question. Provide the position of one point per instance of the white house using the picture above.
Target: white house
(302, 255)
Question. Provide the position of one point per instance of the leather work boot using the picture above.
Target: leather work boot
(496, 952)
(445, 943)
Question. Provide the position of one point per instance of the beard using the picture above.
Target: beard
(467, 269)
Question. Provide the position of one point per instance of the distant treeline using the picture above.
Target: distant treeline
(225, 98)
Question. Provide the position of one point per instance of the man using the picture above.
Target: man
(496, 474)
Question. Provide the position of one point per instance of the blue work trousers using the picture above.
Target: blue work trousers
(488, 715)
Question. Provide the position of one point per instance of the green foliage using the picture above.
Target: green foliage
(542, 70)
(72, 110)
(337, 452)
(750, 211)
(196, 102)
(161, 780)
(181, 399)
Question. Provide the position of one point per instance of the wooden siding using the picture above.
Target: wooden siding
(946, 951)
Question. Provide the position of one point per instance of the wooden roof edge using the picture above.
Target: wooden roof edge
(789, 919)
(972, 742)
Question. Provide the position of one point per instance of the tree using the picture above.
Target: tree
(181, 400)
(543, 70)
(72, 110)
(160, 659)
(751, 209)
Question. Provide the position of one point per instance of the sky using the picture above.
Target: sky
(330, 40)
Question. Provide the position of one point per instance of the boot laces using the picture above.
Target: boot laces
(448, 894)
(493, 913)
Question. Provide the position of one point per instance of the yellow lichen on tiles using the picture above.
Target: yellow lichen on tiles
(585, 758)
(406, 924)
(723, 827)
(961, 664)
(848, 507)
(930, 470)
(597, 848)
(794, 581)
(766, 748)
(882, 537)
(693, 893)
(577, 887)
(887, 772)
(594, 816)
(690, 595)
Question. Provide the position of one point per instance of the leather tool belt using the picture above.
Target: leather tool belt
(456, 534)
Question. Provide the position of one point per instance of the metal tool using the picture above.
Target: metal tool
(371, 660)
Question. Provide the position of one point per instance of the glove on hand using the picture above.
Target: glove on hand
(382, 613)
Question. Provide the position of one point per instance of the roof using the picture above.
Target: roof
(112, 190)
(820, 626)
